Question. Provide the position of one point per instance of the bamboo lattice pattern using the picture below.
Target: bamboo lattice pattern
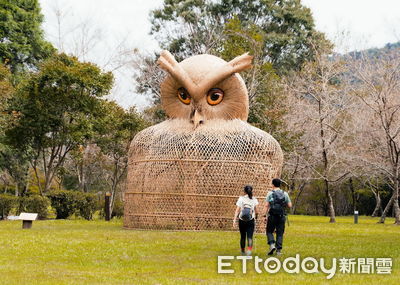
(185, 179)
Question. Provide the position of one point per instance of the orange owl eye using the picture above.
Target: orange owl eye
(184, 96)
(215, 96)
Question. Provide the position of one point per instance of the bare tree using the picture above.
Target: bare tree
(320, 110)
(296, 173)
(377, 86)
(373, 185)
(86, 163)
(148, 75)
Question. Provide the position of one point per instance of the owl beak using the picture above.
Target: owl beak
(196, 119)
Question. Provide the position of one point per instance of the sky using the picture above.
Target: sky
(357, 24)
(98, 30)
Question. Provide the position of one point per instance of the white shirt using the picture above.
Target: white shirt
(245, 200)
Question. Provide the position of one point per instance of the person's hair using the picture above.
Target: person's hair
(276, 182)
(248, 189)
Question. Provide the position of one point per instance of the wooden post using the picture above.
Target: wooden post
(107, 206)
(27, 219)
(26, 224)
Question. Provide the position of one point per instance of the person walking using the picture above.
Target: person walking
(277, 201)
(245, 214)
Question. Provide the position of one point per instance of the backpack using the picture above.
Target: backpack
(247, 213)
(277, 207)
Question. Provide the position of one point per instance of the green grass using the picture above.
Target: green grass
(99, 252)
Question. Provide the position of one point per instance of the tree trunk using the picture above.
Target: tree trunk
(301, 188)
(353, 198)
(331, 209)
(396, 211)
(353, 194)
(35, 169)
(396, 203)
(81, 177)
(47, 183)
(385, 212)
(378, 206)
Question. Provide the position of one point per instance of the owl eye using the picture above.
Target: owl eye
(184, 96)
(215, 96)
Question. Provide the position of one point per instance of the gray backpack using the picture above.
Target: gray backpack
(247, 213)
(278, 205)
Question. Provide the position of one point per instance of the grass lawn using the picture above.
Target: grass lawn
(94, 252)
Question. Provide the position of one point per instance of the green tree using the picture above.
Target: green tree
(22, 42)
(22, 47)
(6, 91)
(15, 163)
(187, 27)
(277, 33)
(267, 97)
(12, 161)
(114, 134)
(57, 108)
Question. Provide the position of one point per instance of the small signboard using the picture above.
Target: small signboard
(27, 219)
(28, 216)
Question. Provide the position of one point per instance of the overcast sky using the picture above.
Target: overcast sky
(116, 24)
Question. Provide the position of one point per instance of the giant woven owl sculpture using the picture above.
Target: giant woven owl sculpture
(187, 172)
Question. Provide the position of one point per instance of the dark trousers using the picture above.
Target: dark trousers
(276, 223)
(246, 230)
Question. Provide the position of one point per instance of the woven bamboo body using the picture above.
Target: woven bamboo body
(185, 179)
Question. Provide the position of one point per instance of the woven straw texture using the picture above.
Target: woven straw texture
(185, 179)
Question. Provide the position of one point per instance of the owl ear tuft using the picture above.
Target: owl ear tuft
(236, 65)
(168, 63)
(241, 62)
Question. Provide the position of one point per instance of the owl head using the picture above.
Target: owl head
(204, 87)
